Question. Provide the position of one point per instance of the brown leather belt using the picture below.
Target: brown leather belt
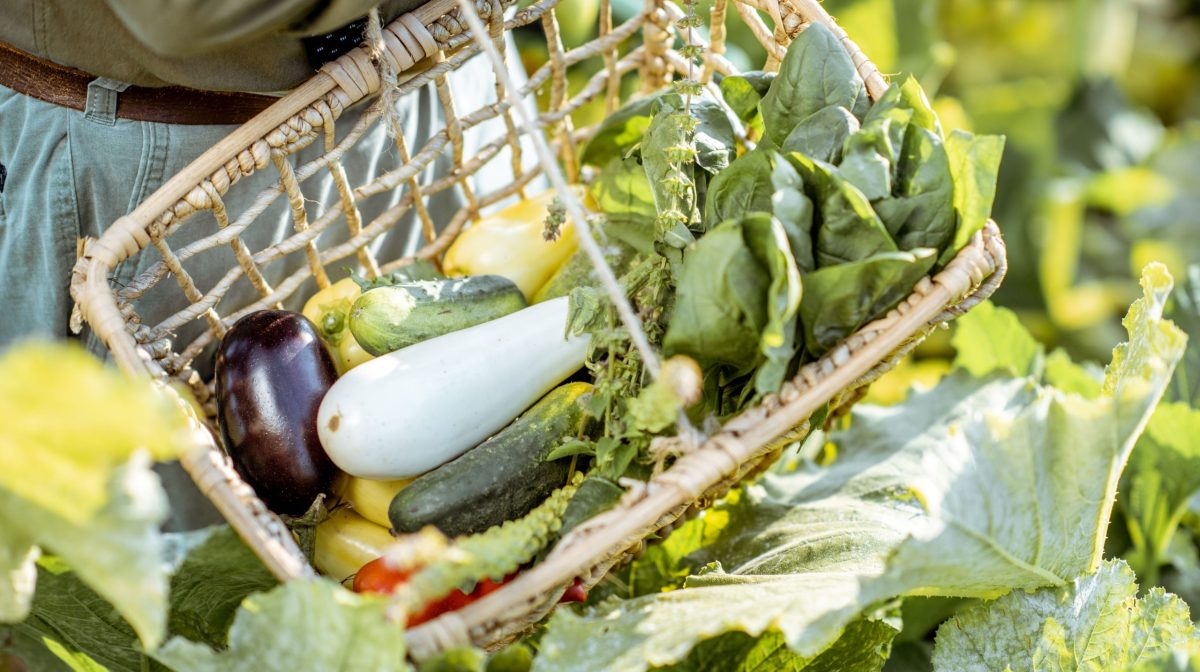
(68, 87)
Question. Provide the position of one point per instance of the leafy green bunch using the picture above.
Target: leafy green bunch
(785, 241)
(843, 204)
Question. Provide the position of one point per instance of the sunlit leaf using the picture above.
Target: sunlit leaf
(1162, 476)
(1095, 623)
(304, 625)
(76, 479)
(990, 339)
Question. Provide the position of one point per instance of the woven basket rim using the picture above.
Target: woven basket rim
(701, 473)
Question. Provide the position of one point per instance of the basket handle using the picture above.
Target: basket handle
(814, 12)
(348, 79)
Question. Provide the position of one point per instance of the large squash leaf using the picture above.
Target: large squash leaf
(1095, 623)
(973, 489)
(990, 338)
(70, 624)
(863, 647)
(75, 479)
(304, 625)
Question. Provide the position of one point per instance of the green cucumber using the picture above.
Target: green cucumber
(386, 319)
(502, 478)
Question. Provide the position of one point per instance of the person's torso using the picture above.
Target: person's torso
(89, 36)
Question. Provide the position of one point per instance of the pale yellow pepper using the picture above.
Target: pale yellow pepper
(328, 309)
(369, 499)
(346, 541)
(510, 243)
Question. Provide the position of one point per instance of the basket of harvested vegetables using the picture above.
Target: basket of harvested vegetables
(642, 317)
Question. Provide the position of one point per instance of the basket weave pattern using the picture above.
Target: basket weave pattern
(422, 48)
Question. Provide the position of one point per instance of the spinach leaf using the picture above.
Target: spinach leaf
(623, 194)
(816, 73)
(737, 303)
(840, 299)
(749, 185)
(921, 211)
(715, 145)
(868, 155)
(619, 132)
(907, 96)
(746, 186)
(794, 211)
(765, 237)
(764, 181)
(867, 170)
(974, 164)
(847, 228)
(743, 92)
(821, 134)
(720, 304)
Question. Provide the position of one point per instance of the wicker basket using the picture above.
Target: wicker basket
(423, 47)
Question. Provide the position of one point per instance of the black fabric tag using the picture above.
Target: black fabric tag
(3, 176)
(322, 49)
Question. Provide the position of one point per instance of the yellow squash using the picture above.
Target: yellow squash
(346, 541)
(369, 499)
(329, 309)
(510, 244)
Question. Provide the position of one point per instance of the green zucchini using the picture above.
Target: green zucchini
(502, 478)
(578, 271)
(386, 319)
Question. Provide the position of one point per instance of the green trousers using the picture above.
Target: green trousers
(70, 174)
(67, 174)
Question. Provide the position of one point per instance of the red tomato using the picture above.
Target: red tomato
(378, 577)
(574, 593)
(456, 600)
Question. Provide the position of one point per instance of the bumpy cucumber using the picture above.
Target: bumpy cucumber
(497, 552)
(386, 319)
(501, 479)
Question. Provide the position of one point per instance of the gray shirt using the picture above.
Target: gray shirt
(224, 45)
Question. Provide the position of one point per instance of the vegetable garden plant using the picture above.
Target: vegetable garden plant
(752, 230)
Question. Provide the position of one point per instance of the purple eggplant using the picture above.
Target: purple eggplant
(272, 372)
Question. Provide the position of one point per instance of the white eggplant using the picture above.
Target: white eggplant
(409, 411)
